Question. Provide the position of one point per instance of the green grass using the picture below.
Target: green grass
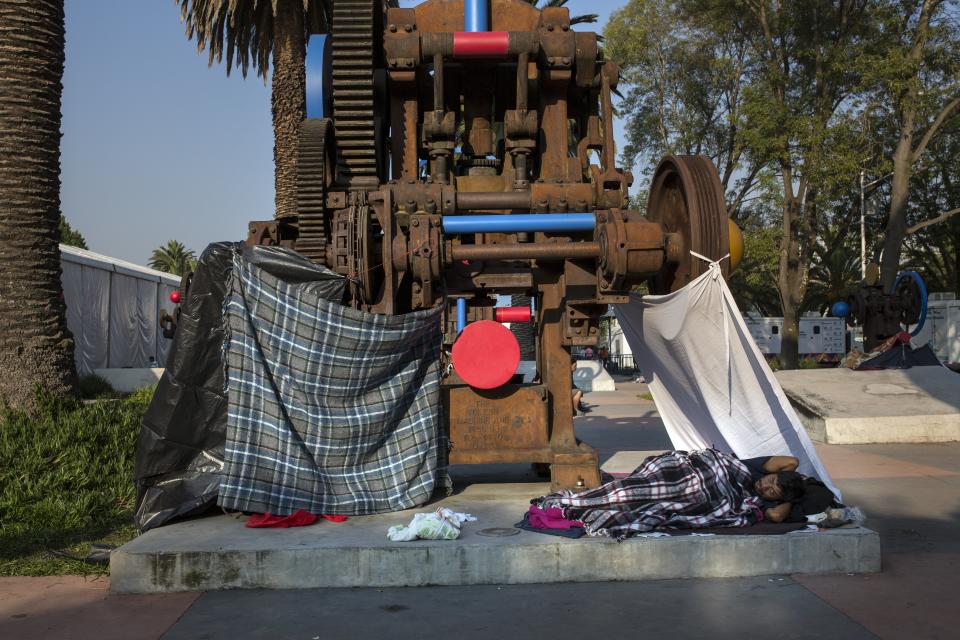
(66, 481)
(93, 386)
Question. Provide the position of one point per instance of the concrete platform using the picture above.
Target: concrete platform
(591, 376)
(219, 553)
(841, 406)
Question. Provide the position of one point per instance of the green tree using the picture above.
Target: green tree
(684, 75)
(265, 34)
(915, 81)
(934, 249)
(35, 346)
(173, 257)
(69, 235)
(797, 121)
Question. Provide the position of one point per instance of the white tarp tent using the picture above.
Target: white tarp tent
(712, 386)
(113, 310)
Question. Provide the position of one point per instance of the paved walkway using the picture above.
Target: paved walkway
(911, 494)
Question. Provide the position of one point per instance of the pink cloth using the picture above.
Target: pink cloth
(551, 518)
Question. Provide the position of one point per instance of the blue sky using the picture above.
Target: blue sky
(156, 145)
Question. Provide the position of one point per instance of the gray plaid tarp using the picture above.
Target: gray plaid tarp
(331, 410)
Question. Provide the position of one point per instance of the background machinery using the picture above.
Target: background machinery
(459, 150)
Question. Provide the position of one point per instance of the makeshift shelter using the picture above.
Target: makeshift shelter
(113, 310)
(712, 386)
(277, 397)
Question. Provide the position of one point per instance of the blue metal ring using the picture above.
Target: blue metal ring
(923, 296)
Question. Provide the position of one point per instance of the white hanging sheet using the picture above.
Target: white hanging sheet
(712, 386)
(124, 325)
(86, 292)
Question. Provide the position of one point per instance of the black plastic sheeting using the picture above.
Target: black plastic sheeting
(902, 356)
(180, 448)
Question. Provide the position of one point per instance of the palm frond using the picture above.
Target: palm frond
(242, 30)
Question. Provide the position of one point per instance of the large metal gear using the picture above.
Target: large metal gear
(686, 197)
(355, 38)
(314, 176)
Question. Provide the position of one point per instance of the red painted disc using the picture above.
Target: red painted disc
(486, 354)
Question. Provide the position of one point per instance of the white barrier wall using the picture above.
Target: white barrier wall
(113, 310)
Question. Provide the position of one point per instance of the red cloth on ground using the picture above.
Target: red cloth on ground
(334, 518)
(300, 518)
(551, 518)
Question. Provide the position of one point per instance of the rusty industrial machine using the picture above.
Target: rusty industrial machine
(461, 150)
(884, 314)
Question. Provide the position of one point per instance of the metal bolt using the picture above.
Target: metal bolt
(593, 330)
(602, 217)
(408, 28)
(565, 60)
(549, 27)
(566, 27)
(579, 331)
(393, 28)
(415, 223)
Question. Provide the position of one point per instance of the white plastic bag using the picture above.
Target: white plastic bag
(442, 524)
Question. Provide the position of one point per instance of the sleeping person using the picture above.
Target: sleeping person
(691, 490)
(787, 495)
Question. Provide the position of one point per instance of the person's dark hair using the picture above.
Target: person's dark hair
(791, 484)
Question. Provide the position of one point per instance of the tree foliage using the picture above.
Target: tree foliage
(792, 100)
(243, 31)
(70, 236)
(174, 257)
(268, 35)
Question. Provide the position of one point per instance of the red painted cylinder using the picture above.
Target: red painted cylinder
(486, 354)
(480, 44)
(175, 297)
(512, 314)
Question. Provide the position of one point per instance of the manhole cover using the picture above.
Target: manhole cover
(498, 532)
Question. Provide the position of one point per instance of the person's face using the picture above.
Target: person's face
(768, 488)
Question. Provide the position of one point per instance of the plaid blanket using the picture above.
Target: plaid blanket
(674, 490)
(330, 409)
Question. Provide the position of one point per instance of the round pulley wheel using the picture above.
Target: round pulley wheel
(486, 354)
(686, 197)
(910, 294)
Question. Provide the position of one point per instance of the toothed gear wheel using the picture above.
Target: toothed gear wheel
(354, 45)
(313, 177)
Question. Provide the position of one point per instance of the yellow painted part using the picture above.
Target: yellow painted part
(736, 244)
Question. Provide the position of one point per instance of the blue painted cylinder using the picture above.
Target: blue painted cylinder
(319, 76)
(519, 222)
(461, 314)
(476, 15)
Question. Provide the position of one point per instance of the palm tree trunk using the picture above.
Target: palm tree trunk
(288, 99)
(35, 346)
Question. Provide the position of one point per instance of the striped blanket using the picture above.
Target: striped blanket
(330, 409)
(674, 490)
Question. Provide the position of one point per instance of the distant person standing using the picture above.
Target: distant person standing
(588, 353)
(604, 354)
